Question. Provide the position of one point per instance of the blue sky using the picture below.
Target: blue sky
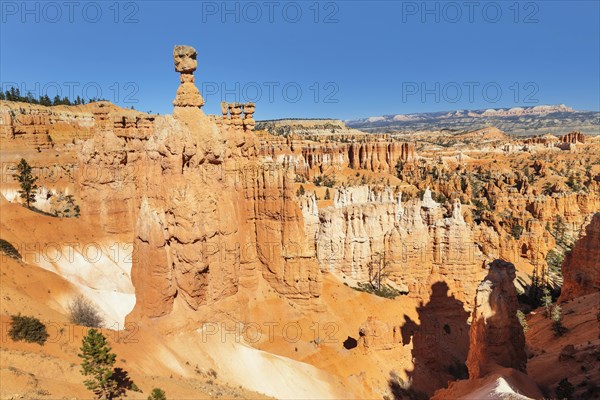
(344, 59)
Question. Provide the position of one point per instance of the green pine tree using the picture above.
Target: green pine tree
(27, 182)
(546, 302)
(98, 362)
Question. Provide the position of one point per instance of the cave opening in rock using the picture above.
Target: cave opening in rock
(447, 328)
(350, 343)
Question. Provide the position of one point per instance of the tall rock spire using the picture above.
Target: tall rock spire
(188, 94)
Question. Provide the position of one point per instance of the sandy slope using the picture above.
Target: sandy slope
(549, 358)
(55, 269)
(95, 266)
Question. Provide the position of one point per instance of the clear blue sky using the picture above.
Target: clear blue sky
(349, 59)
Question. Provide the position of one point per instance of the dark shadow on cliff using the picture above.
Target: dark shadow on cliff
(440, 345)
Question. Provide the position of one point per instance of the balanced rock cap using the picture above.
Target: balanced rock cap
(185, 59)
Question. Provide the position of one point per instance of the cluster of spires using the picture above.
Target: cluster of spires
(238, 115)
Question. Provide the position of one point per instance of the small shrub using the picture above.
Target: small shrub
(29, 329)
(84, 312)
(135, 388)
(564, 390)
(10, 250)
(157, 394)
(384, 291)
(517, 231)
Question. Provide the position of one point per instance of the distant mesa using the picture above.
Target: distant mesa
(522, 121)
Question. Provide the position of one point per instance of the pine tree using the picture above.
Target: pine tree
(556, 317)
(2, 96)
(546, 302)
(534, 290)
(327, 194)
(30, 99)
(44, 100)
(27, 182)
(560, 229)
(98, 362)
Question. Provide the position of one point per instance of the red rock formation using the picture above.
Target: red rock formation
(374, 334)
(581, 267)
(496, 337)
(572, 207)
(210, 218)
(110, 167)
(31, 126)
(417, 244)
(541, 139)
(379, 156)
(314, 158)
(573, 137)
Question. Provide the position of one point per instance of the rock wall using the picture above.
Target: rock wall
(380, 156)
(496, 337)
(572, 207)
(111, 164)
(581, 267)
(314, 158)
(573, 137)
(33, 126)
(417, 245)
(353, 231)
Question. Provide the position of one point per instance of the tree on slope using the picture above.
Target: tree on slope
(26, 181)
(98, 362)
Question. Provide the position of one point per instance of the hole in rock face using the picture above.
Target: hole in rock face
(447, 328)
(350, 343)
